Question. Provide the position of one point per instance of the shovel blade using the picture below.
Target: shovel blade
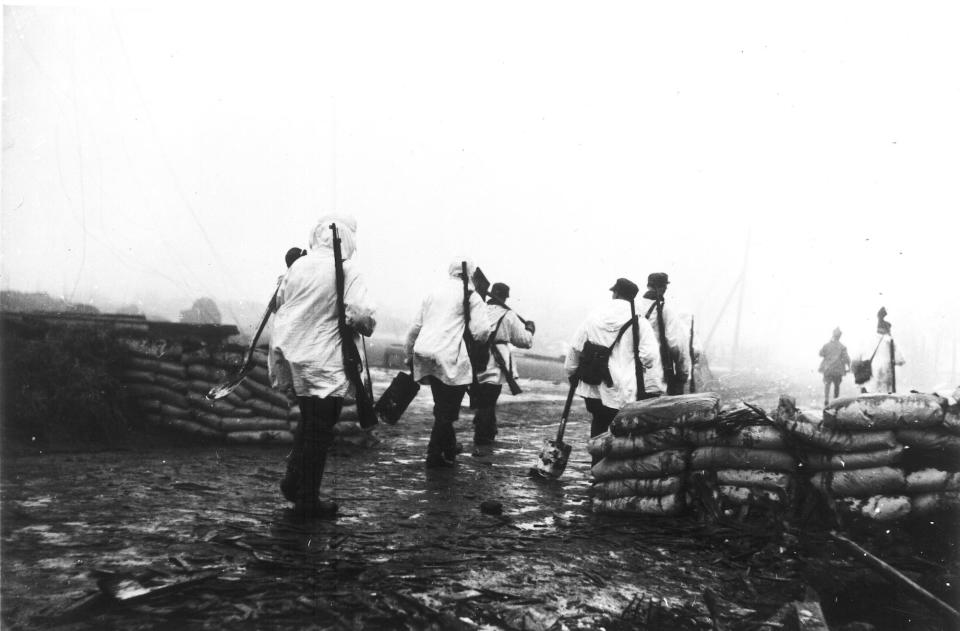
(225, 388)
(553, 458)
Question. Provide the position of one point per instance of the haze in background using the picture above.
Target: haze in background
(805, 155)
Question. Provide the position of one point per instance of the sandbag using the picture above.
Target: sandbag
(201, 387)
(267, 393)
(218, 406)
(259, 374)
(610, 489)
(655, 465)
(748, 496)
(270, 410)
(861, 482)
(192, 427)
(877, 507)
(663, 506)
(883, 411)
(928, 503)
(268, 436)
(173, 411)
(649, 415)
(929, 480)
(620, 447)
(164, 395)
(173, 369)
(931, 440)
(173, 383)
(739, 458)
(131, 375)
(855, 460)
(206, 373)
(209, 419)
(252, 424)
(951, 420)
(754, 478)
(808, 428)
(152, 405)
(150, 348)
(750, 437)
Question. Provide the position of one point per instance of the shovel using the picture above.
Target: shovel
(225, 388)
(555, 453)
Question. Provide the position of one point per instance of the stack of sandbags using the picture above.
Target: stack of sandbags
(850, 452)
(740, 462)
(644, 457)
(169, 385)
(932, 457)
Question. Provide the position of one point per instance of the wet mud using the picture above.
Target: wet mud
(200, 538)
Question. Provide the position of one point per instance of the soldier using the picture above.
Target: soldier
(437, 347)
(305, 354)
(601, 357)
(834, 365)
(508, 328)
(670, 332)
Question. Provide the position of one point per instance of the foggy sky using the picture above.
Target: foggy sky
(157, 154)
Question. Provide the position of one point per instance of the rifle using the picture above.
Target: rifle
(669, 371)
(468, 340)
(893, 367)
(693, 383)
(501, 364)
(637, 366)
(352, 361)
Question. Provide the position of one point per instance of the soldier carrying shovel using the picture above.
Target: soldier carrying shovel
(508, 329)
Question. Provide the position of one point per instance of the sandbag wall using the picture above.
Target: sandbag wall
(168, 384)
(740, 463)
(644, 456)
(881, 457)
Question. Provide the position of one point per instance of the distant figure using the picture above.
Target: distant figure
(834, 365)
(671, 334)
(888, 357)
(436, 346)
(507, 330)
(289, 258)
(605, 342)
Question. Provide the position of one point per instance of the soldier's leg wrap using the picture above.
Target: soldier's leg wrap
(446, 410)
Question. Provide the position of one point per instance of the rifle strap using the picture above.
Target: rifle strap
(623, 329)
(492, 342)
(874, 354)
(662, 335)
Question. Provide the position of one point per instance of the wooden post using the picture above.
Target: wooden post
(891, 573)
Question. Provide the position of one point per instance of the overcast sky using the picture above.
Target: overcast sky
(165, 152)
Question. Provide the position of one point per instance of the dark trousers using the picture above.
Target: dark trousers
(446, 410)
(306, 462)
(827, 380)
(485, 397)
(602, 416)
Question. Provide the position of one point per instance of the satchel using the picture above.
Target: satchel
(863, 368)
(594, 367)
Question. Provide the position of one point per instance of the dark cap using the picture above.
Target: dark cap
(500, 291)
(293, 254)
(657, 279)
(626, 288)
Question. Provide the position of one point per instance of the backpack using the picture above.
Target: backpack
(863, 369)
(594, 366)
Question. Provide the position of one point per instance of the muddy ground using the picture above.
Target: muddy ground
(199, 537)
